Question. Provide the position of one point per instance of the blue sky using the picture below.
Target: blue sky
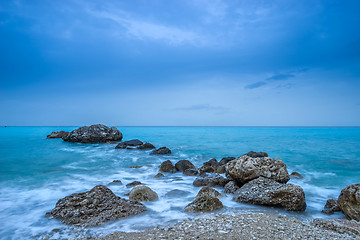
(188, 62)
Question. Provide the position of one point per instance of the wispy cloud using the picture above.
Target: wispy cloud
(283, 76)
(255, 85)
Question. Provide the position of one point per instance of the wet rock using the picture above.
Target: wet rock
(210, 180)
(208, 192)
(342, 226)
(159, 175)
(183, 165)
(231, 187)
(134, 183)
(93, 134)
(167, 166)
(130, 143)
(146, 146)
(209, 166)
(296, 175)
(331, 206)
(94, 207)
(256, 154)
(161, 151)
(225, 160)
(177, 193)
(204, 204)
(115, 182)
(221, 169)
(142, 193)
(245, 169)
(57, 134)
(136, 166)
(264, 191)
(190, 172)
(349, 201)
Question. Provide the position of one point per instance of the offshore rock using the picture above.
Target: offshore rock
(93, 134)
(130, 143)
(349, 201)
(263, 191)
(94, 207)
(142, 193)
(210, 180)
(245, 169)
(208, 192)
(296, 175)
(146, 146)
(331, 206)
(161, 151)
(167, 166)
(57, 134)
(183, 165)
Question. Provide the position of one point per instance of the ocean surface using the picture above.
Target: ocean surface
(35, 172)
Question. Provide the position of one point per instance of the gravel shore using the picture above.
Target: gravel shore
(245, 226)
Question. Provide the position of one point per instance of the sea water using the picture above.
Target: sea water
(35, 172)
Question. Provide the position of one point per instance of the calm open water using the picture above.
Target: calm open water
(35, 172)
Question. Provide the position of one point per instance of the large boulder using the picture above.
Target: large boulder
(93, 134)
(167, 166)
(183, 165)
(131, 143)
(245, 169)
(142, 193)
(208, 192)
(210, 180)
(205, 201)
(161, 151)
(57, 134)
(264, 191)
(349, 201)
(94, 207)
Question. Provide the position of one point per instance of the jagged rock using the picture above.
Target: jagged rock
(57, 134)
(221, 169)
(231, 187)
(331, 206)
(264, 191)
(94, 207)
(190, 172)
(349, 201)
(208, 192)
(167, 166)
(204, 204)
(338, 225)
(130, 143)
(209, 166)
(296, 175)
(210, 180)
(93, 134)
(183, 165)
(146, 146)
(245, 169)
(115, 182)
(134, 183)
(256, 154)
(142, 193)
(225, 160)
(161, 151)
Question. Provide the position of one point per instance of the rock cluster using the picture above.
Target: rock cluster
(93, 134)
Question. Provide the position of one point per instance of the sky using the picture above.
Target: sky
(180, 63)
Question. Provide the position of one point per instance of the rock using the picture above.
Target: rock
(94, 207)
(231, 187)
(130, 143)
(331, 206)
(93, 134)
(136, 166)
(115, 182)
(209, 166)
(161, 151)
(190, 172)
(210, 180)
(296, 175)
(159, 175)
(57, 134)
(146, 146)
(221, 169)
(225, 160)
(183, 165)
(264, 191)
(142, 193)
(177, 193)
(245, 169)
(167, 166)
(338, 225)
(204, 204)
(208, 192)
(256, 154)
(134, 183)
(349, 201)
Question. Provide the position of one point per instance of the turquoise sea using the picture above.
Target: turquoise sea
(35, 172)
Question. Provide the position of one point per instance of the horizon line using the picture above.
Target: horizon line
(332, 126)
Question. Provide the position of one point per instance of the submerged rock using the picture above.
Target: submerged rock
(167, 166)
(93, 134)
(134, 183)
(94, 207)
(130, 143)
(142, 193)
(349, 201)
(231, 187)
(245, 169)
(57, 134)
(296, 175)
(177, 193)
(161, 151)
(146, 146)
(210, 180)
(159, 175)
(264, 191)
(331, 206)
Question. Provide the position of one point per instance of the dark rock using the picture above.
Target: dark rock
(159, 175)
(209, 166)
(190, 172)
(245, 169)
(57, 134)
(210, 180)
(296, 175)
(134, 183)
(342, 226)
(264, 191)
(256, 154)
(136, 166)
(183, 165)
(146, 146)
(167, 166)
(231, 187)
(204, 204)
(115, 182)
(225, 160)
(161, 151)
(208, 192)
(349, 201)
(93, 134)
(221, 169)
(331, 206)
(142, 193)
(131, 143)
(94, 207)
